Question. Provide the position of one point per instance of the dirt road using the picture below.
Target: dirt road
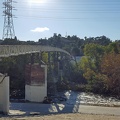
(71, 116)
(75, 108)
(34, 108)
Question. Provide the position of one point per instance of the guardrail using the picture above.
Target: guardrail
(15, 50)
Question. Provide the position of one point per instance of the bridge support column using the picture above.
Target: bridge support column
(36, 82)
(4, 94)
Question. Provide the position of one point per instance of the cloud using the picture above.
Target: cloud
(40, 29)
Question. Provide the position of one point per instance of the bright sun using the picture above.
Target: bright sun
(38, 1)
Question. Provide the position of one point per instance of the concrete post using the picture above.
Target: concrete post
(4, 94)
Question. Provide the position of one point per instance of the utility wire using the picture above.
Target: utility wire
(63, 10)
(76, 2)
(74, 11)
(114, 6)
(68, 18)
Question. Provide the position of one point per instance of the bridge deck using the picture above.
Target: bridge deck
(14, 50)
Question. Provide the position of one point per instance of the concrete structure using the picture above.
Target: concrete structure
(4, 94)
(35, 90)
(15, 50)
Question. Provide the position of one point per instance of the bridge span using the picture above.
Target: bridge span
(14, 50)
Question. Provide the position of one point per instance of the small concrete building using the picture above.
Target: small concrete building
(4, 94)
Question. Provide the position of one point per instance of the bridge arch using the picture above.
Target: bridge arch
(14, 50)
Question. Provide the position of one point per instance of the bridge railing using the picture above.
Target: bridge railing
(14, 50)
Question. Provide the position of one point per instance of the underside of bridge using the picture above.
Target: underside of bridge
(42, 68)
(43, 75)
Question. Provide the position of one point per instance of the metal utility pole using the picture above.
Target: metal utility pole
(8, 28)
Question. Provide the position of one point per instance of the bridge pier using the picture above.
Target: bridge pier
(36, 80)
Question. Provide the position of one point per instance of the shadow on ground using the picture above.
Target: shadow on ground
(25, 109)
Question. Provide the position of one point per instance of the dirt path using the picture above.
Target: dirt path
(67, 117)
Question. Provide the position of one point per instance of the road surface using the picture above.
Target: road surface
(43, 109)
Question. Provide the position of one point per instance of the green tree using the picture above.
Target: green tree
(94, 52)
(90, 66)
(113, 48)
(45, 57)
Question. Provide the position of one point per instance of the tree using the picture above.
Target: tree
(113, 48)
(43, 41)
(94, 52)
(102, 40)
(45, 57)
(15, 68)
(8, 41)
(90, 66)
(75, 51)
(110, 66)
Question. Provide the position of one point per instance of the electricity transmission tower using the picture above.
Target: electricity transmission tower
(8, 28)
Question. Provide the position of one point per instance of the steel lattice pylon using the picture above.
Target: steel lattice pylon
(8, 29)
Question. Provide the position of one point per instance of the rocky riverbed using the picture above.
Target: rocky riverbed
(89, 99)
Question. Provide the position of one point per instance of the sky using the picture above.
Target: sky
(42, 18)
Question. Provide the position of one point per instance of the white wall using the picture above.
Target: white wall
(36, 93)
(4, 95)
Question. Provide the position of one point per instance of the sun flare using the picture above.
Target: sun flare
(37, 1)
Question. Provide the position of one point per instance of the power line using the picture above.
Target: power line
(68, 18)
(72, 10)
(76, 2)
